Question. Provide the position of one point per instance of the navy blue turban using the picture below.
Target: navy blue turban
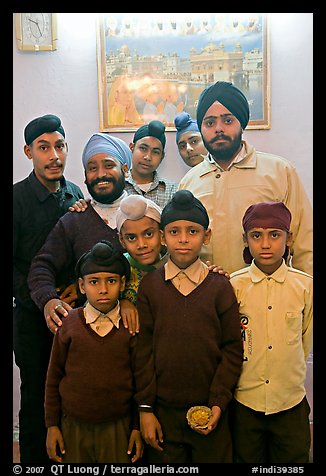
(184, 206)
(228, 95)
(41, 125)
(153, 129)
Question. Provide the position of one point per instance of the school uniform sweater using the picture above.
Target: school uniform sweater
(189, 350)
(89, 377)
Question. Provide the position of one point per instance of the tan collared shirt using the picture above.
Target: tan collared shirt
(101, 323)
(186, 280)
(276, 319)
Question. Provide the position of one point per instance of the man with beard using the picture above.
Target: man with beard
(106, 160)
(39, 201)
(234, 175)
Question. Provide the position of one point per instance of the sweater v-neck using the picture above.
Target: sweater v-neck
(177, 293)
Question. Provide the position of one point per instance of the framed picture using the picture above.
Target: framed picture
(155, 65)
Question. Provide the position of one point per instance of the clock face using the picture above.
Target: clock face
(36, 28)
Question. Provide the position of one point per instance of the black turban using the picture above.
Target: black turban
(184, 206)
(153, 129)
(102, 258)
(228, 95)
(41, 125)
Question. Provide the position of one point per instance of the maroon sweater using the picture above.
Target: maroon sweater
(89, 377)
(54, 264)
(189, 349)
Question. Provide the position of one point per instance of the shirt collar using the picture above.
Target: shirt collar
(240, 156)
(193, 272)
(91, 314)
(115, 204)
(41, 191)
(157, 179)
(257, 275)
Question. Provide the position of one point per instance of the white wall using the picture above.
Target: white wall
(64, 82)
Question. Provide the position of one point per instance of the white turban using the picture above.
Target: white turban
(135, 207)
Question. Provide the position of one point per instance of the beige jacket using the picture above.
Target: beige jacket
(258, 177)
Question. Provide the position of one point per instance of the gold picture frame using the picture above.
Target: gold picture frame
(36, 31)
(154, 65)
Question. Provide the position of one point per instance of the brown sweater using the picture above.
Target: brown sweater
(189, 349)
(89, 377)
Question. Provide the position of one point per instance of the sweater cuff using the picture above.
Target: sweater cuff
(40, 302)
(219, 402)
(53, 421)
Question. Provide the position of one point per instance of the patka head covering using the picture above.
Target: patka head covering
(184, 123)
(184, 206)
(153, 129)
(135, 207)
(102, 258)
(41, 125)
(228, 95)
(101, 143)
(266, 215)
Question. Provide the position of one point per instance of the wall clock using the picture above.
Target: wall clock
(36, 31)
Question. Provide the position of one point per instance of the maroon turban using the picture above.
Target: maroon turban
(266, 215)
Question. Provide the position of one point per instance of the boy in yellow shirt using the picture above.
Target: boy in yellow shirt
(270, 414)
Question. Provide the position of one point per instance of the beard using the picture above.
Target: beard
(104, 197)
(225, 151)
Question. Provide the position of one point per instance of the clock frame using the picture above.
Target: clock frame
(36, 31)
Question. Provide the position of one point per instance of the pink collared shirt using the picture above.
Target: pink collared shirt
(186, 280)
(101, 323)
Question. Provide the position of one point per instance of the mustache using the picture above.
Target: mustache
(56, 162)
(217, 137)
(99, 180)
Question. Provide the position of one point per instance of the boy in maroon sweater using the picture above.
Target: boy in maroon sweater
(89, 387)
(189, 349)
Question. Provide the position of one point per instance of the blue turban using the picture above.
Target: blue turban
(101, 143)
(228, 95)
(183, 123)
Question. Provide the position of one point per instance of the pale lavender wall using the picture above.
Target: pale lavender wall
(64, 82)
